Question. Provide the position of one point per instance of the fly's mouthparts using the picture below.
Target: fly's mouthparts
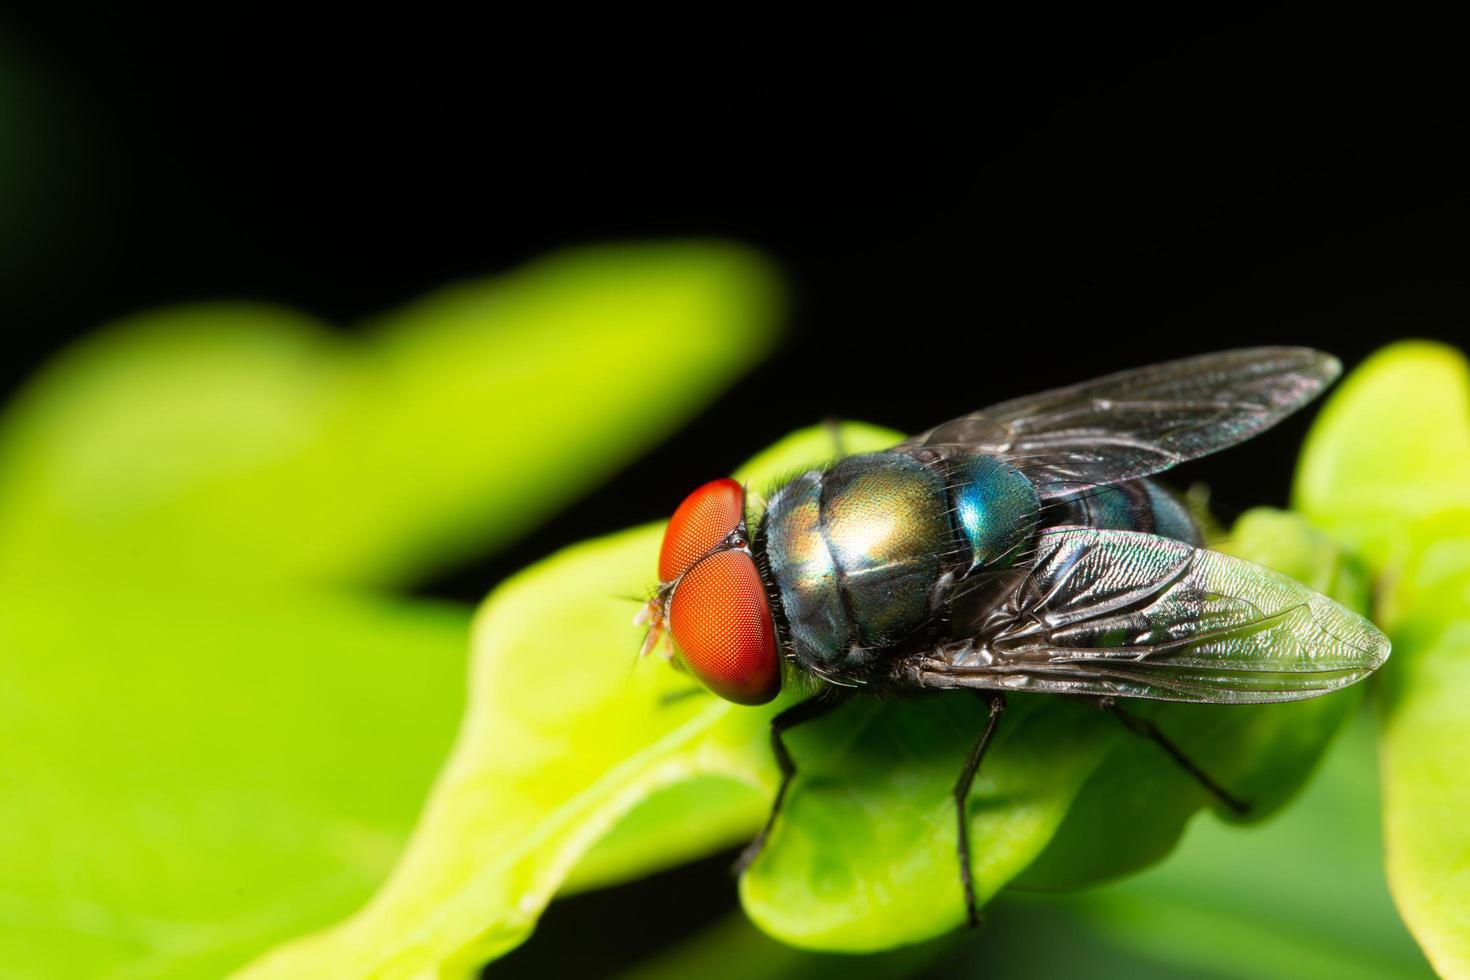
(652, 616)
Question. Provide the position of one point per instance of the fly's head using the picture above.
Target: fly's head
(710, 602)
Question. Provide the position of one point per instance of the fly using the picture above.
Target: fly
(1019, 548)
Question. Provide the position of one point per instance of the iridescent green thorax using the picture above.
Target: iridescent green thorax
(995, 508)
(886, 520)
(856, 554)
(802, 566)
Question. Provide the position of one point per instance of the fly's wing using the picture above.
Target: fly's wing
(1135, 423)
(1135, 615)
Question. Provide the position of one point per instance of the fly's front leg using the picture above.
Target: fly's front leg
(797, 714)
(962, 796)
(1146, 728)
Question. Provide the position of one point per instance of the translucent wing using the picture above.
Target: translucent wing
(1139, 422)
(1134, 615)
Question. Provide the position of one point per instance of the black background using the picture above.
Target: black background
(967, 211)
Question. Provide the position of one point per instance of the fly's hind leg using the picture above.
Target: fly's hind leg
(961, 798)
(1147, 729)
(808, 710)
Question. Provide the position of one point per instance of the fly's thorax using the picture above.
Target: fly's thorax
(887, 524)
(855, 554)
(802, 573)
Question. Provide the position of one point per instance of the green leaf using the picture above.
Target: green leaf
(1387, 463)
(192, 777)
(864, 856)
(1388, 467)
(734, 950)
(568, 743)
(1301, 896)
(681, 822)
(220, 728)
(1426, 756)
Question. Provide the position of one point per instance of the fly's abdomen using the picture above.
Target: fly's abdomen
(1140, 505)
(995, 508)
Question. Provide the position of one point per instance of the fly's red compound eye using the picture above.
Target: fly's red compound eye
(703, 520)
(722, 625)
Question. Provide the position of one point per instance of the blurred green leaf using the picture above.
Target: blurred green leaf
(1387, 463)
(672, 825)
(1387, 467)
(1426, 758)
(734, 950)
(218, 736)
(1302, 896)
(192, 776)
(244, 444)
(567, 742)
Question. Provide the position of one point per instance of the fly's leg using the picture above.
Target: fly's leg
(1146, 728)
(962, 796)
(808, 710)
